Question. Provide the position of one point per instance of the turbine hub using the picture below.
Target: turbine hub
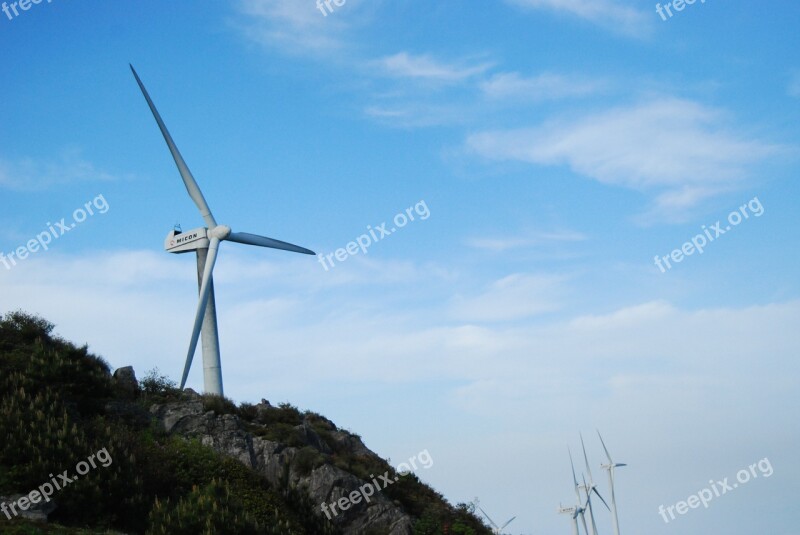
(220, 232)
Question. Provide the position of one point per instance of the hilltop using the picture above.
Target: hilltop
(116, 455)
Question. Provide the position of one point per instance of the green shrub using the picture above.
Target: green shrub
(219, 404)
(158, 387)
(210, 510)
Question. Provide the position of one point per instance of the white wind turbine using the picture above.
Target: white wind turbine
(205, 242)
(611, 466)
(589, 489)
(498, 530)
(579, 510)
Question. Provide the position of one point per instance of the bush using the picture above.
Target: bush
(156, 385)
(209, 510)
(219, 404)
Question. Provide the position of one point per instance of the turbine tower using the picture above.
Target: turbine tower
(611, 466)
(205, 242)
(589, 489)
(497, 530)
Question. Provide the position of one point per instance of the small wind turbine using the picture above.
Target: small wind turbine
(611, 466)
(205, 242)
(589, 489)
(498, 530)
(579, 510)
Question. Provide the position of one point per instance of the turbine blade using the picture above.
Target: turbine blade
(188, 179)
(586, 460)
(601, 498)
(604, 448)
(587, 489)
(262, 241)
(572, 465)
(574, 479)
(583, 521)
(488, 517)
(507, 523)
(205, 292)
(591, 516)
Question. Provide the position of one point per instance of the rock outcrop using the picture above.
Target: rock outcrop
(38, 512)
(228, 435)
(125, 382)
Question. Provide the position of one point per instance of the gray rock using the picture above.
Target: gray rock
(311, 437)
(328, 483)
(325, 484)
(37, 512)
(351, 443)
(125, 381)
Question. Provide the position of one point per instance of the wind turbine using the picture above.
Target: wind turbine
(205, 242)
(589, 489)
(611, 466)
(578, 509)
(496, 529)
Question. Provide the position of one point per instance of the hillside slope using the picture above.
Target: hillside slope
(100, 452)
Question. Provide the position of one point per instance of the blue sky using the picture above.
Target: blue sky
(559, 145)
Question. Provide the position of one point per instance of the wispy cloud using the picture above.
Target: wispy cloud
(546, 86)
(680, 149)
(410, 114)
(28, 174)
(293, 25)
(610, 14)
(511, 298)
(425, 67)
(423, 91)
(506, 243)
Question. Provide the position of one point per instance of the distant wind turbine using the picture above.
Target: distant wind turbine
(580, 509)
(611, 466)
(498, 530)
(205, 242)
(589, 489)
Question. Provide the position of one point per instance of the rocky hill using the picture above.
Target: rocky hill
(88, 451)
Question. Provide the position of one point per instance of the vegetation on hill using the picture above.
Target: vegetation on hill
(60, 405)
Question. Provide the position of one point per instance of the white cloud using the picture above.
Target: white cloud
(546, 86)
(505, 243)
(680, 149)
(424, 67)
(409, 114)
(662, 382)
(513, 297)
(28, 174)
(295, 26)
(610, 14)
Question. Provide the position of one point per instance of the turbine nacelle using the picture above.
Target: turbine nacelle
(178, 242)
